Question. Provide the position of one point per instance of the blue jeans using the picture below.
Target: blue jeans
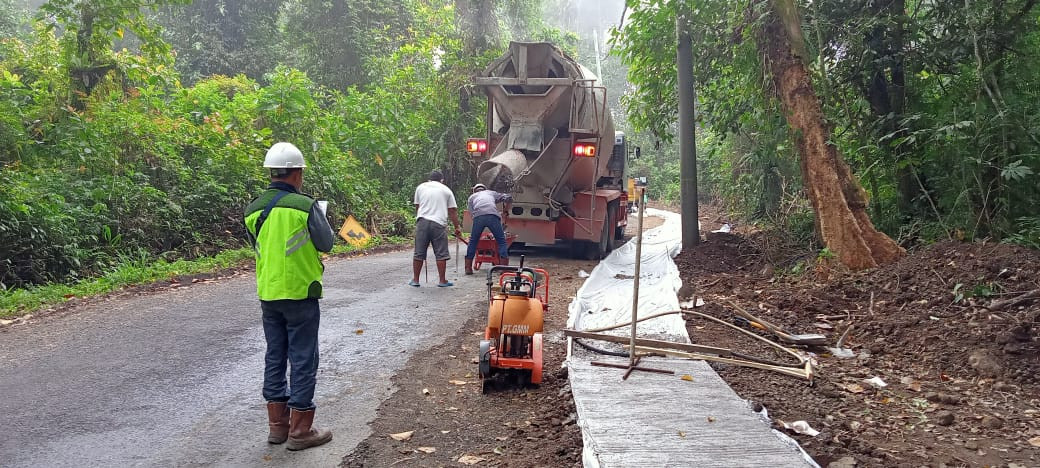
(492, 223)
(291, 329)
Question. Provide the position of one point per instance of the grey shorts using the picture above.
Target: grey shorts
(428, 232)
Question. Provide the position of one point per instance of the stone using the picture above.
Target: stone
(992, 422)
(843, 462)
(985, 364)
(944, 418)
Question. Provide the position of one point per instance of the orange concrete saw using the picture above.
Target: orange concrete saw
(512, 343)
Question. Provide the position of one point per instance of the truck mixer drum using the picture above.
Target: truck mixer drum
(552, 139)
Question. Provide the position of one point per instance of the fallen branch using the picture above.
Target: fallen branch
(712, 283)
(1024, 297)
(841, 340)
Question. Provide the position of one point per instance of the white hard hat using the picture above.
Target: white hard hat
(284, 155)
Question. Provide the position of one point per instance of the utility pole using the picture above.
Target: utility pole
(687, 131)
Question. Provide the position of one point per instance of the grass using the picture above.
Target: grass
(140, 270)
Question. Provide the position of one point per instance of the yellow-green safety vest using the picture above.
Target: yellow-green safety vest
(288, 265)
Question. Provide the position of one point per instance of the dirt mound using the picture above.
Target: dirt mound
(951, 329)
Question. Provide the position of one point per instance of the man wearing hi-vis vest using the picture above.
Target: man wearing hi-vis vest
(287, 230)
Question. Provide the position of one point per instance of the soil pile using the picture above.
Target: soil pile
(945, 359)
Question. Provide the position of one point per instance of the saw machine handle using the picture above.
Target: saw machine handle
(533, 279)
(517, 272)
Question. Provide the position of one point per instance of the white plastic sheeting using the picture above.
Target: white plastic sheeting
(606, 297)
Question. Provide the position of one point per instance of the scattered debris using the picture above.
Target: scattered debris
(800, 427)
(402, 436)
(470, 459)
(876, 381)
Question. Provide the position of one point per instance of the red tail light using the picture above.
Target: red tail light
(585, 150)
(476, 146)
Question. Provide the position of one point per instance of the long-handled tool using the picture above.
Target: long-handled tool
(809, 339)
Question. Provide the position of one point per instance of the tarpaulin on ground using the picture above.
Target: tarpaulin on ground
(606, 297)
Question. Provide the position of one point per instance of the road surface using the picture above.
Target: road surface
(173, 378)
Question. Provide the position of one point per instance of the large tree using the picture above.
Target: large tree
(836, 196)
(731, 40)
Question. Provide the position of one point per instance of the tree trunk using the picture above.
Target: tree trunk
(837, 198)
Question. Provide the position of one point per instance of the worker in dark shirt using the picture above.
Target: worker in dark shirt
(483, 207)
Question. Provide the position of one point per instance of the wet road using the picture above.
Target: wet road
(173, 378)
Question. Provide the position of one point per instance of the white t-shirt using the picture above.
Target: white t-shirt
(434, 199)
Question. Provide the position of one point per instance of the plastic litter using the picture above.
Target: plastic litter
(725, 228)
(876, 381)
(800, 427)
(842, 353)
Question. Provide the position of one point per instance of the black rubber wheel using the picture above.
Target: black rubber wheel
(611, 230)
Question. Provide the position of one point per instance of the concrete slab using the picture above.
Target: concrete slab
(660, 420)
(651, 419)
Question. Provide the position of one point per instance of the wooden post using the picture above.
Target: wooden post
(635, 284)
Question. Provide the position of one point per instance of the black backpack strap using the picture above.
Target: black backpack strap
(267, 211)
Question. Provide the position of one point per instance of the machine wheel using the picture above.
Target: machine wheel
(484, 359)
(536, 356)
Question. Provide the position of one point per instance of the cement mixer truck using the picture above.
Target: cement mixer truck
(551, 143)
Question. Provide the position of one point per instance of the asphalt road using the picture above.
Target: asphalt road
(172, 378)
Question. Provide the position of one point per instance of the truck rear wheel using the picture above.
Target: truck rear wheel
(599, 250)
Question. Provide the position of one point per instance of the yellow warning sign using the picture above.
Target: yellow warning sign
(353, 233)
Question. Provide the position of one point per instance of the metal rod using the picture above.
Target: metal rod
(623, 366)
(635, 282)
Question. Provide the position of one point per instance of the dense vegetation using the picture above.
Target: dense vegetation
(110, 157)
(132, 130)
(934, 104)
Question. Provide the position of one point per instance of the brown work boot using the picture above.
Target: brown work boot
(302, 434)
(278, 420)
(469, 266)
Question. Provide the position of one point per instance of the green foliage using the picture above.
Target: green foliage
(933, 105)
(333, 41)
(225, 37)
(981, 290)
(136, 268)
(1027, 233)
(142, 168)
(133, 270)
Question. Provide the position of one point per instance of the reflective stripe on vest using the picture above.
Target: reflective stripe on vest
(288, 266)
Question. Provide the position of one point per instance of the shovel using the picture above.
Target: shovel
(810, 339)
